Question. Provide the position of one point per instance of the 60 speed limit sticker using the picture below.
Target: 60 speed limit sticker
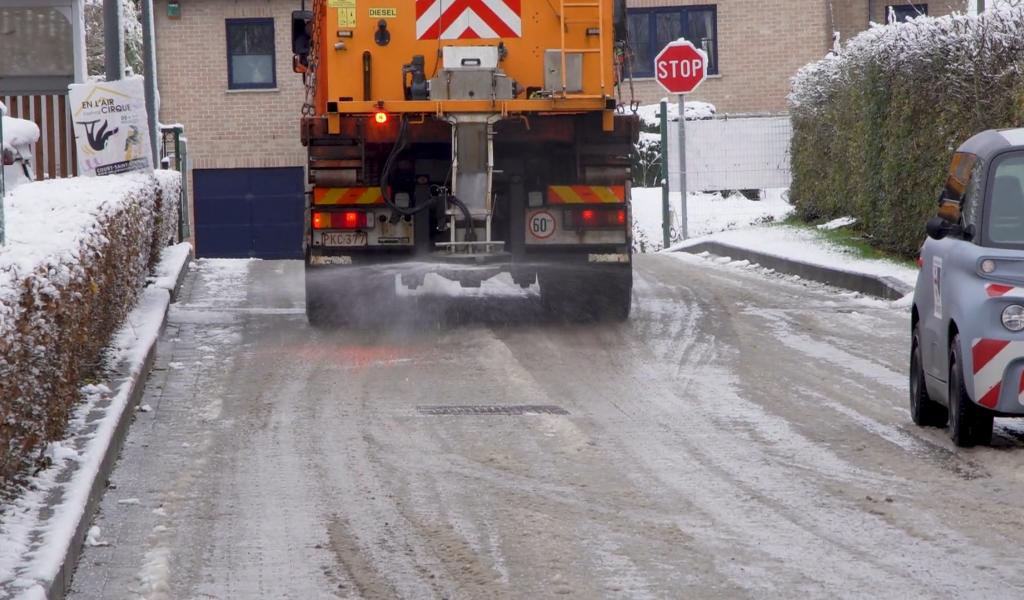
(541, 224)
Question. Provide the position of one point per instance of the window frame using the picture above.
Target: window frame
(652, 11)
(986, 212)
(228, 24)
(921, 8)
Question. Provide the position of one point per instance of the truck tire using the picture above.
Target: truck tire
(924, 411)
(969, 424)
(322, 310)
(358, 298)
(589, 294)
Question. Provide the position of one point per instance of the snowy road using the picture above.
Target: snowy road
(740, 436)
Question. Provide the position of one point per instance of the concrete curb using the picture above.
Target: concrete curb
(61, 584)
(888, 288)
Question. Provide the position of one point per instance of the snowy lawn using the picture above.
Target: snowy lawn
(708, 213)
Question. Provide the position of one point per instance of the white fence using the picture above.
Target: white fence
(732, 153)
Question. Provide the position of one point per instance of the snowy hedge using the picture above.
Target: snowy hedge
(78, 252)
(875, 127)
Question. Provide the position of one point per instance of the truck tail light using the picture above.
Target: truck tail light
(380, 117)
(349, 219)
(594, 218)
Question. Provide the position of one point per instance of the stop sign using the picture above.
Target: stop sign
(680, 67)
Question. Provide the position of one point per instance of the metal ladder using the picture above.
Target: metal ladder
(583, 6)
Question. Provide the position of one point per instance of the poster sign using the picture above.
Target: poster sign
(111, 128)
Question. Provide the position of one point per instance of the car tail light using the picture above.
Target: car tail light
(594, 218)
(349, 219)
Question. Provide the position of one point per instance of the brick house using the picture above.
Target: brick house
(225, 73)
(755, 47)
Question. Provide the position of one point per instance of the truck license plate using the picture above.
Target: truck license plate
(345, 238)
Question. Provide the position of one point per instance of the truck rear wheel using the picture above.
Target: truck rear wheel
(338, 298)
(588, 294)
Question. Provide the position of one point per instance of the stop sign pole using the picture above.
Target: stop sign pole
(679, 68)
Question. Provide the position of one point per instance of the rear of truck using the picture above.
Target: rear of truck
(466, 138)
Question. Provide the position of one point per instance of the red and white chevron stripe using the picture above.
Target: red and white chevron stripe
(998, 290)
(468, 19)
(990, 358)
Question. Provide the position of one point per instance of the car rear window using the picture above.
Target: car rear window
(1006, 205)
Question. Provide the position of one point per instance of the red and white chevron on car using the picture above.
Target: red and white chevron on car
(998, 290)
(468, 19)
(990, 359)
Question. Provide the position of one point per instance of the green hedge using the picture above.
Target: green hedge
(874, 128)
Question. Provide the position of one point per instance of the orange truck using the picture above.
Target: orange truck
(466, 138)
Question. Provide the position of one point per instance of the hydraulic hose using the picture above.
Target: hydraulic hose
(470, 232)
(385, 178)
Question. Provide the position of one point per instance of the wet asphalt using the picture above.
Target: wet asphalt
(742, 435)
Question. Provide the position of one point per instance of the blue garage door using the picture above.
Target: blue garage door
(249, 213)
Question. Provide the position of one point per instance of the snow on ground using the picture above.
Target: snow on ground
(708, 213)
(807, 246)
(837, 223)
(648, 113)
(172, 260)
(34, 540)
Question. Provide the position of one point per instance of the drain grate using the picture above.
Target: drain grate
(514, 410)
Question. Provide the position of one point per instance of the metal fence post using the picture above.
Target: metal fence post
(666, 223)
(684, 225)
(3, 191)
(113, 39)
(149, 65)
(181, 158)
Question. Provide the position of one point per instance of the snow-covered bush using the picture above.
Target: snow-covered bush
(168, 212)
(647, 151)
(78, 252)
(874, 128)
(646, 168)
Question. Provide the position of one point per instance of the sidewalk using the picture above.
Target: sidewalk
(808, 254)
(42, 530)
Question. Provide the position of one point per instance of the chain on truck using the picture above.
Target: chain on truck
(467, 139)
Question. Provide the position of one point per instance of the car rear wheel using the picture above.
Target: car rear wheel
(969, 424)
(923, 410)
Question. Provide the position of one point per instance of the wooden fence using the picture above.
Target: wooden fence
(54, 155)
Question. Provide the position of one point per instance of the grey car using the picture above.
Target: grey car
(967, 350)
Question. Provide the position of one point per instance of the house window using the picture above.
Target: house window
(651, 29)
(899, 13)
(251, 54)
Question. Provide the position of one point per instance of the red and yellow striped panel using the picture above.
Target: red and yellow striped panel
(586, 194)
(347, 196)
